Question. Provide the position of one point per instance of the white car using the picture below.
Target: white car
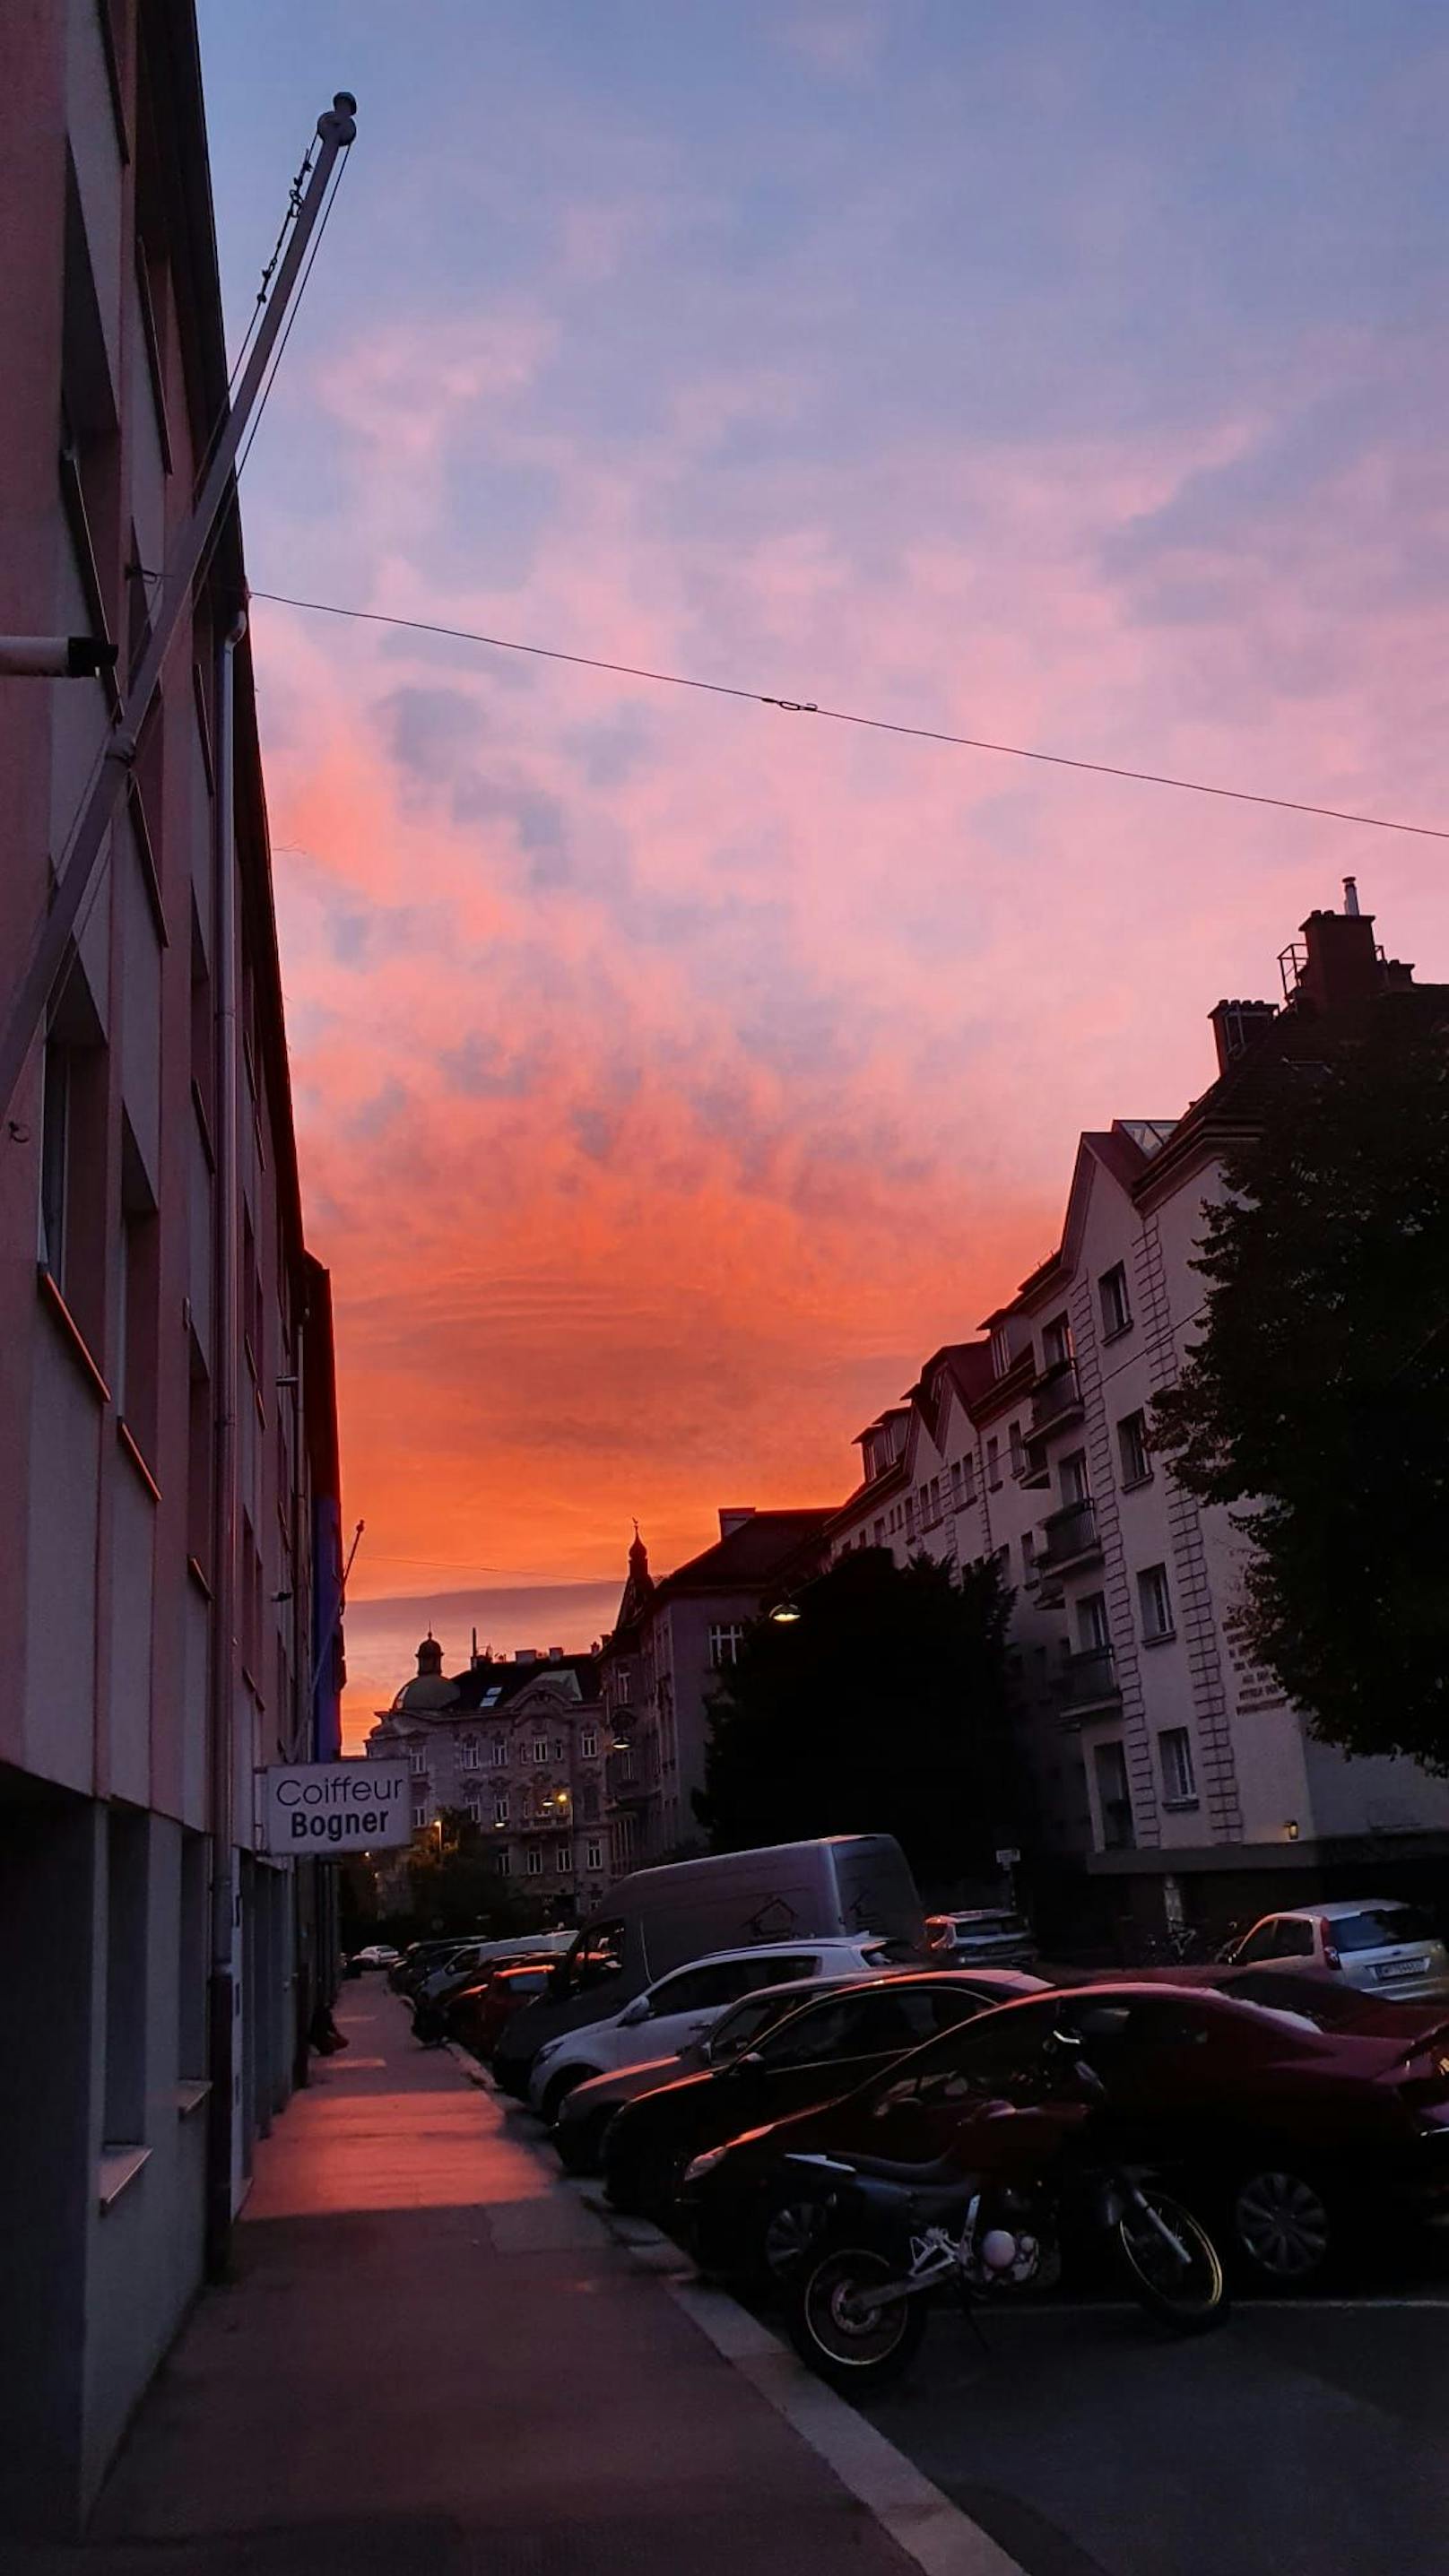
(1378, 1944)
(681, 2007)
(378, 1954)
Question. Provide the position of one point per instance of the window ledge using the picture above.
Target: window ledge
(1179, 1806)
(136, 1454)
(1118, 1330)
(189, 2098)
(198, 1577)
(119, 2167)
(50, 1292)
(1161, 1637)
(1134, 1484)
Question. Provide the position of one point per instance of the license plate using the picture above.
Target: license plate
(1402, 1968)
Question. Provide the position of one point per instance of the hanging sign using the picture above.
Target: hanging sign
(323, 1810)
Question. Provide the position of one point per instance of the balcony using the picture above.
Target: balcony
(1087, 1684)
(1069, 1537)
(631, 1774)
(1056, 1398)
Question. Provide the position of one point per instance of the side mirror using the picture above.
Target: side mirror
(634, 2013)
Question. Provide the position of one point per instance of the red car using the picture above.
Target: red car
(1292, 2125)
(478, 2015)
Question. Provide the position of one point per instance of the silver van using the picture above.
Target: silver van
(658, 1919)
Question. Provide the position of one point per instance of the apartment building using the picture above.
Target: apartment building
(518, 1747)
(1185, 1780)
(660, 1667)
(170, 1579)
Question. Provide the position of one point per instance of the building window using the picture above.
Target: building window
(878, 1534)
(468, 1753)
(127, 1845)
(420, 1816)
(1001, 1559)
(72, 1243)
(1112, 1292)
(540, 1748)
(500, 1811)
(502, 1860)
(1018, 1455)
(968, 1477)
(593, 1856)
(417, 1763)
(1000, 1351)
(624, 1838)
(1072, 1479)
(588, 1745)
(563, 1858)
(1155, 1601)
(138, 1323)
(533, 1861)
(910, 1511)
(993, 1462)
(1092, 1628)
(498, 1752)
(589, 1803)
(1056, 1342)
(475, 1807)
(1028, 1556)
(1114, 1797)
(1179, 1781)
(1135, 1454)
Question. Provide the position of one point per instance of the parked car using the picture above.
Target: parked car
(584, 2114)
(418, 1960)
(682, 2007)
(851, 1885)
(377, 1954)
(986, 1936)
(477, 2015)
(1378, 1944)
(826, 2047)
(1291, 2128)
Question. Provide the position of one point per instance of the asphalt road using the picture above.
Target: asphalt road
(1304, 2439)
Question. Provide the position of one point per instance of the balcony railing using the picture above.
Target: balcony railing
(1056, 1397)
(632, 1775)
(1069, 1537)
(1088, 1681)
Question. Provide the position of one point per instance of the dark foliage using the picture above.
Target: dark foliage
(882, 1709)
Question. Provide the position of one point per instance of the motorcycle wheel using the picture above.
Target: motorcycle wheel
(851, 2351)
(1187, 2291)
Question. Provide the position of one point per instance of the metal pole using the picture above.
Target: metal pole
(26, 1013)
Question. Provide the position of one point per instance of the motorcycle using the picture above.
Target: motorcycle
(890, 2238)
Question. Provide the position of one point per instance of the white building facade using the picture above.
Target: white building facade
(1162, 1757)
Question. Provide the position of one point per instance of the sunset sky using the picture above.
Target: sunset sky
(674, 1073)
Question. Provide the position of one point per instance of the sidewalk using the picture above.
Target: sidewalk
(434, 2361)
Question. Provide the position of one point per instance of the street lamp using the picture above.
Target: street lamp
(785, 1614)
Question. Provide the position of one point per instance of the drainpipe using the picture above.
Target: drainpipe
(227, 1328)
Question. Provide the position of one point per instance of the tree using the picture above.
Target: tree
(1317, 1401)
(455, 1887)
(882, 1709)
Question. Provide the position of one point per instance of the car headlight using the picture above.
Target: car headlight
(704, 2164)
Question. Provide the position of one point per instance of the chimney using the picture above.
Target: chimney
(733, 1517)
(525, 1654)
(1341, 965)
(475, 1658)
(1237, 1026)
(555, 1654)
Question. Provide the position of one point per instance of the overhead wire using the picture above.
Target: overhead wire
(873, 724)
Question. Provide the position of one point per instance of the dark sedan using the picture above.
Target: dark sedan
(1290, 2126)
(813, 2055)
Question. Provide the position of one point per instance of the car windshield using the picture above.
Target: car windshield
(1375, 1927)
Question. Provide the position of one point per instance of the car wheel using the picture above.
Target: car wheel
(577, 2142)
(1283, 2227)
(557, 2090)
